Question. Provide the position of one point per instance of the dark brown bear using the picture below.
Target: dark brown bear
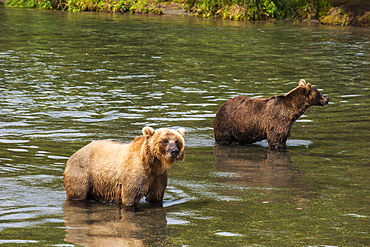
(248, 120)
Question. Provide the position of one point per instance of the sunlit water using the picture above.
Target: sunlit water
(69, 78)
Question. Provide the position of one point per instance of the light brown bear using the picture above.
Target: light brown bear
(248, 120)
(116, 172)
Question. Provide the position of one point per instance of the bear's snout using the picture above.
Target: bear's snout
(324, 100)
(172, 151)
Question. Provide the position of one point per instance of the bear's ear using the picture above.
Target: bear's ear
(302, 83)
(308, 86)
(181, 131)
(148, 131)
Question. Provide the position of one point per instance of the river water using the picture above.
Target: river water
(69, 78)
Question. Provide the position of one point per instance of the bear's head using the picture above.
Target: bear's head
(311, 95)
(165, 144)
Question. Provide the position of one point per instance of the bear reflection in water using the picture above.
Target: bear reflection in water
(271, 172)
(254, 167)
(97, 224)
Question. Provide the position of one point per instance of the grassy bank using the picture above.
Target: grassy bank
(335, 12)
(348, 13)
(260, 9)
(130, 6)
(227, 9)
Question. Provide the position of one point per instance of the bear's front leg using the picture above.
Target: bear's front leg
(131, 199)
(276, 144)
(133, 191)
(157, 188)
(276, 138)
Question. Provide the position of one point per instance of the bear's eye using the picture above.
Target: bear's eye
(178, 143)
(165, 141)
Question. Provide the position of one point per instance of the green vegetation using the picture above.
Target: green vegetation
(334, 12)
(131, 6)
(227, 9)
(354, 13)
(259, 9)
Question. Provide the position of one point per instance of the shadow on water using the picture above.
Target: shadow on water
(96, 224)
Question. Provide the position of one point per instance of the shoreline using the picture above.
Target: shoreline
(356, 15)
(348, 14)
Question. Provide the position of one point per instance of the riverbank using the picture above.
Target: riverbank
(348, 14)
(338, 12)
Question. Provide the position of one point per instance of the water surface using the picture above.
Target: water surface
(69, 78)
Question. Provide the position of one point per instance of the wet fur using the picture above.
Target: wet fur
(248, 120)
(118, 172)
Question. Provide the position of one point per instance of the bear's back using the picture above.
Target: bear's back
(241, 106)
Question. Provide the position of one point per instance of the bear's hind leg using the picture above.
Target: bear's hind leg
(223, 136)
(221, 127)
(76, 188)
